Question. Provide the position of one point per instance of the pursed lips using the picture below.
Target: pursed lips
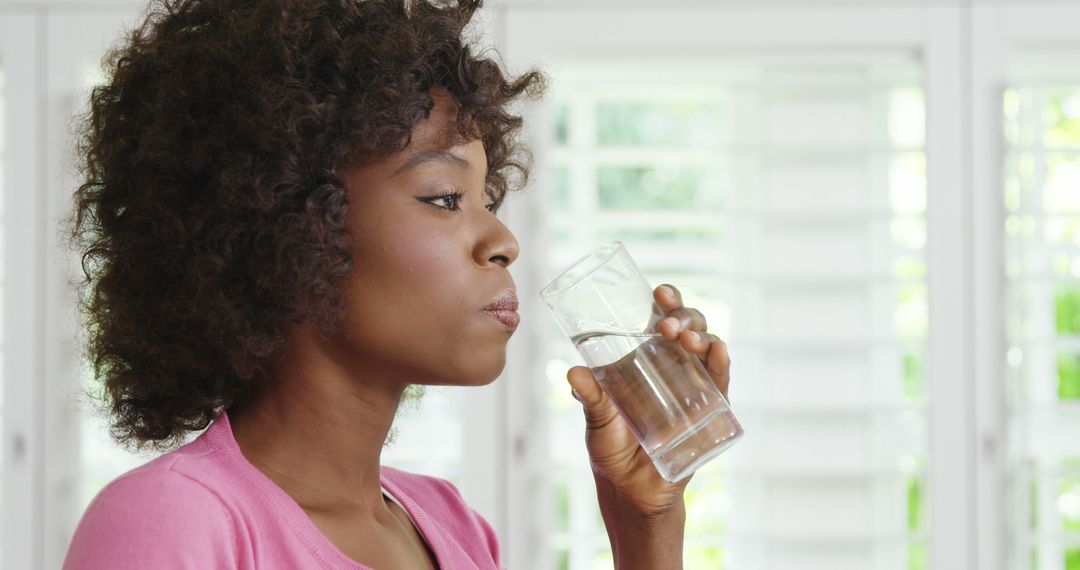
(504, 310)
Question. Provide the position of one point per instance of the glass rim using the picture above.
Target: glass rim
(547, 290)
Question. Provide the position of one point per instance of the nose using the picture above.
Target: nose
(498, 246)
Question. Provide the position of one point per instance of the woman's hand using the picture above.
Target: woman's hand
(622, 468)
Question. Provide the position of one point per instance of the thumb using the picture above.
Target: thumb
(599, 411)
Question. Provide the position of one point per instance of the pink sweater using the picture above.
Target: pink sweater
(204, 506)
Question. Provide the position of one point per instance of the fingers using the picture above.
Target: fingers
(667, 296)
(689, 326)
(676, 317)
(718, 363)
(677, 320)
(713, 353)
(599, 411)
(708, 347)
(696, 343)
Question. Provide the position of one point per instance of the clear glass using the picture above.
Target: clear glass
(605, 305)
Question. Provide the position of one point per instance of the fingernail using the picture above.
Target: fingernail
(694, 336)
(574, 393)
(667, 292)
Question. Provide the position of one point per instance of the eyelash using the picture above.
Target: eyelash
(457, 196)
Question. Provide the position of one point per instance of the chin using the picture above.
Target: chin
(474, 374)
(484, 365)
(483, 379)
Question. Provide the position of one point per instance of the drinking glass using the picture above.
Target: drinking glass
(677, 413)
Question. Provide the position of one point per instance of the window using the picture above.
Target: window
(1042, 255)
(788, 202)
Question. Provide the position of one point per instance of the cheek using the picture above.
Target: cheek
(413, 302)
(411, 279)
(424, 271)
(406, 292)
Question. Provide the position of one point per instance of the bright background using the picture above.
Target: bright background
(876, 203)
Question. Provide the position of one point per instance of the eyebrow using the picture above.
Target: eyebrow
(431, 155)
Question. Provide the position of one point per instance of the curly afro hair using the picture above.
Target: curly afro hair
(210, 215)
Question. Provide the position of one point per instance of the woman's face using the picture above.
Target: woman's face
(425, 267)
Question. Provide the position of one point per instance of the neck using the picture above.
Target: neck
(317, 429)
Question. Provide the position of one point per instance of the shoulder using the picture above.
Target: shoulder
(438, 497)
(154, 517)
(443, 502)
(425, 489)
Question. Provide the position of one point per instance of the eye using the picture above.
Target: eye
(453, 199)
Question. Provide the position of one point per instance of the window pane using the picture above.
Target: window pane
(1042, 256)
(1062, 184)
(1062, 116)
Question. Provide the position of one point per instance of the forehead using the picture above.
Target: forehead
(438, 132)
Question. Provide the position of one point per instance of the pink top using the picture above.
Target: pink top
(204, 506)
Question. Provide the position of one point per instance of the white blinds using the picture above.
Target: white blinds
(788, 203)
(1042, 253)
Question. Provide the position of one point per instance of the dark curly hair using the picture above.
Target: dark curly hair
(210, 215)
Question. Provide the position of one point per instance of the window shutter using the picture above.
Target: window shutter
(788, 203)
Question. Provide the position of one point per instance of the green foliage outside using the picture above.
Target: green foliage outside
(1070, 489)
(562, 123)
(1067, 311)
(912, 312)
(706, 502)
(562, 505)
(709, 557)
(561, 184)
(917, 556)
(562, 561)
(914, 377)
(1068, 366)
(1070, 520)
(916, 503)
(653, 188)
(1062, 119)
(1067, 316)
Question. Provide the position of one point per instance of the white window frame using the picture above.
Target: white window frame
(24, 303)
(47, 49)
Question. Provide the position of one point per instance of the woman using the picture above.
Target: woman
(288, 222)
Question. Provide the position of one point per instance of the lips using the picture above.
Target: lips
(504, 309)
(510, 319)
(505, 301)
